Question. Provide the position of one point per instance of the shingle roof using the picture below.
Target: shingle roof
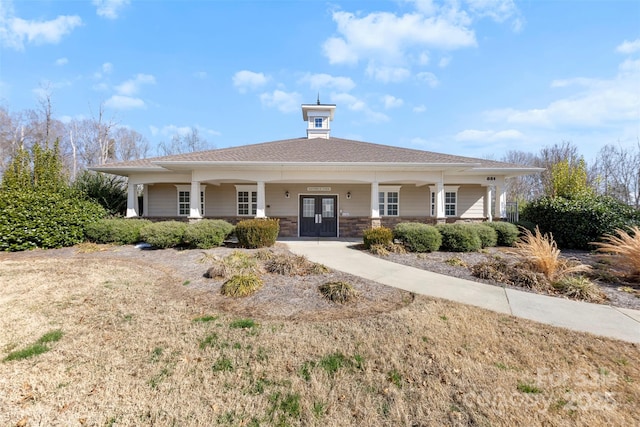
(303, 150)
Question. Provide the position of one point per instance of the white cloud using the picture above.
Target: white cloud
(132, 86)
(355, 104)
(327, 81)
(419, 109)
(107, 67)
(287, 102)
(386, 74)
(429, 78)
(391, 101)
(488, 135)
(498, 10)
(444, 61)
(172, 130)
(121, 102)
(248, 80)
(62, 61)
(101, 87)
(110, 9)
(15, 32)
(386, 36)
(594, 103)
(628, 47)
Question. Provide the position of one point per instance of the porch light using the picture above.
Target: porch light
(286, 194)
(348, 194)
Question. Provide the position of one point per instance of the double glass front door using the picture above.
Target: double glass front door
(318, 216)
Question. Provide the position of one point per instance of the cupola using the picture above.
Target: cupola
(318, 117)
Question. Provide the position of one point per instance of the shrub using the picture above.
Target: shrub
(165, 234)
(459, 238)
(575, 223)
(115, 230)
(257, 233)
(488, 235)
(40, 219)
(525, 225)
(541, 253)
(207, 233)
(110, 191)
(627, 247)
(418, 237)
(241, 285)
(507, 232)
(340, 292)
(377, 236)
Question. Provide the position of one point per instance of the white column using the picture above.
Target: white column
(145, 200)
(375, 206)
(261, 208)
(501, 202)
(440, 216)
(487, 204)
(194, 200)
(132, 200)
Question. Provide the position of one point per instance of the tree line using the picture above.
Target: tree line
(81, 142)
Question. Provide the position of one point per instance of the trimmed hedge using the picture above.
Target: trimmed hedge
(377, 236)
(165, 234)
(120, 231)
(39, 219)
(257, 233)
(488, 235)
(506, 231)
(418, 237)
(575, 223)
(207, 233)
(459, 238)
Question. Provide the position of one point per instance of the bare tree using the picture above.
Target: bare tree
(187, 143)
(129, 144)
(618, 172)
(527, 187)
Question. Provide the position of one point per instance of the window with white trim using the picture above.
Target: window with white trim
(450, 200)
(184, 200)
(317, 122)
(389, 200)
(247, 200)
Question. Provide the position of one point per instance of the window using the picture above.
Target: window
(184, 200)
(389, 201)
(183, 203)
(247, 197)
(450, 203)
(317, 122)
(450, 200)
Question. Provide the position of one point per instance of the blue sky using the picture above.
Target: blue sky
(466, 77)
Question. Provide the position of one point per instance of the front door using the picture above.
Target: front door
(318, 216)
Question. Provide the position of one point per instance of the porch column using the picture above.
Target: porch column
(440, 216)
(261, 208)
(501, 202)
(145, 200)
(194, 200)
(132, 200)
(375, 207)
(487, 205)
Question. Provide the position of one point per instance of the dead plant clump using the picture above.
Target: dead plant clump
(380, 249)
(237, 263)
(580, 288)
(519, 274)
(340, 292)
(542, 254)
(623, 249)
(293, 265)
(241, 285)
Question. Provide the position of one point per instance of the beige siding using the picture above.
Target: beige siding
(220, 200)
(163, 200)
(471, 201)
(414, 201)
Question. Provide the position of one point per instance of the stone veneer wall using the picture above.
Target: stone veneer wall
(354, 226)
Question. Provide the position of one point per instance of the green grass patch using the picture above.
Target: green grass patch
(205, 319)
(243, 324)
(528, 388)
(36, 348)
(223, 364)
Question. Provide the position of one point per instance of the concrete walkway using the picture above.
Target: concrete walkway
(598, 319)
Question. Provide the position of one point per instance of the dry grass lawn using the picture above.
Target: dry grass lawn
(140, 348)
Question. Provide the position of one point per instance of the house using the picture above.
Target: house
(318, 185)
